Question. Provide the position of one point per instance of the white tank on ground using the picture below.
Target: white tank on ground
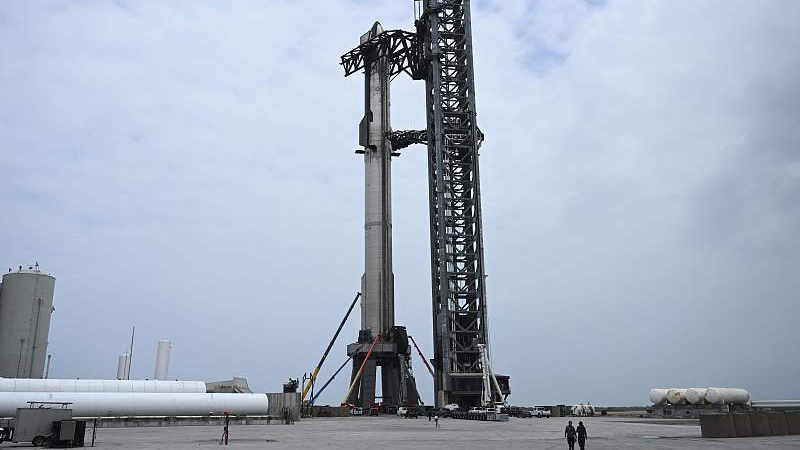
(583, 410)
(26, 303)
(727, 396)
(162, 360)
(676, 396)
(658, 396)
(95, 404)
(696, 396)
(129, 386)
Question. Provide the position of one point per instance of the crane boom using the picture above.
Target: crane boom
(328, 350)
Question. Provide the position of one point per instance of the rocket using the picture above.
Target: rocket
(377, 283)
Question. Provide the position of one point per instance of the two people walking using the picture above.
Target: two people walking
(571, 433)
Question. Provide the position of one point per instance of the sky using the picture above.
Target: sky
(188, 168)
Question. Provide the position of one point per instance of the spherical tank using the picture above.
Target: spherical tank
(696, 396)
(658, 396)
(26, 303)
(676, 396)
(729, 396)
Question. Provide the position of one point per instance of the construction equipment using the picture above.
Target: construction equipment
(328, 350)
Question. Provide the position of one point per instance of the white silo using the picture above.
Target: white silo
(26, 303)
(123, 366)
(162, 360)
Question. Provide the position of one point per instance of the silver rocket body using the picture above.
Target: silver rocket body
(377, 283)
(390, 351)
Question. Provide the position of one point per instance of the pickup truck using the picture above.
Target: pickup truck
(541, 411)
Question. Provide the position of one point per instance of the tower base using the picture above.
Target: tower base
(392, 354)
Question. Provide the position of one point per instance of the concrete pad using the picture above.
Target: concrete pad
(392, 433)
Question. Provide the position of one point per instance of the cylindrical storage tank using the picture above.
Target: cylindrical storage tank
(93, 404)
(696, 396)
(658, 396)
(676, 396)
(727, 396)
(123, 363)
(162, 360)
(120, 386)
(26, 303)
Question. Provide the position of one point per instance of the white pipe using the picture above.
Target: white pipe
(129, 386)
(94, 404)
(162, 360)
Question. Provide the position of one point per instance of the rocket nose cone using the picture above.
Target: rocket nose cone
(376, 29)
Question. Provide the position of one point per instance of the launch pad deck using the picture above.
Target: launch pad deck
(397, 433)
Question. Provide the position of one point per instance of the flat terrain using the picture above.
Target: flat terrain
(390, 433)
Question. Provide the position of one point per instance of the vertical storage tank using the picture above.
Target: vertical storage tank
(162, 360)
(26, 303)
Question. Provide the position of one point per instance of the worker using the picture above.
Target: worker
(436, 420)
(581, 435)
(570, 433)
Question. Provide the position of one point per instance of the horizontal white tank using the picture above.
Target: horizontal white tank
(658, 396)
(104, 404)
(583, 410)
(133, 386)
(676, 396)
(696, 396)
(727, 396)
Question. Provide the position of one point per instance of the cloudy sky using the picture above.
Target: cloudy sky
(187, 167)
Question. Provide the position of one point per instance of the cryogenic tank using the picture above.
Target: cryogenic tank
(583, 410)
(658, 396)
(26, 303)
(123, 366)
(676, 396)
(728, 396)
(162, 360)
(104, 404)
(129, 386)
(696, 396)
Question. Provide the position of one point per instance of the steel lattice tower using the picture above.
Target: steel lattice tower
(457, 268)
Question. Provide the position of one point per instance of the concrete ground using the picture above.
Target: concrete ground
(390, 433)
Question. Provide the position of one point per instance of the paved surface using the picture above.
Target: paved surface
(389, 433)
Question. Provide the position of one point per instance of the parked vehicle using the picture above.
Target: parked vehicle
(541, 411)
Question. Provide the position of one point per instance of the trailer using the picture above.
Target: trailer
(45, 423)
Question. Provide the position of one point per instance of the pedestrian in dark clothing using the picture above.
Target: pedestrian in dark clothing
(581, 435)
(429, 415)
(570, 434)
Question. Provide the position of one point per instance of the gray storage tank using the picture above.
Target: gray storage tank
(26, 303)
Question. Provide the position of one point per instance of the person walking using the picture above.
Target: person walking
(570, 434)
(436, 420)
(581, 435)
